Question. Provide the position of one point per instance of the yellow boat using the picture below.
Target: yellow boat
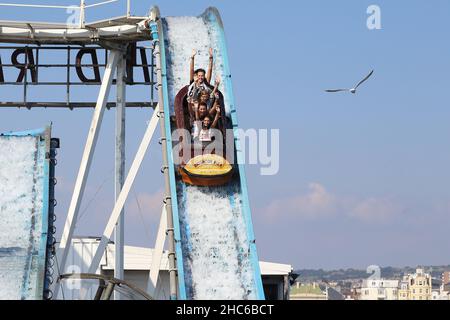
(206, 170)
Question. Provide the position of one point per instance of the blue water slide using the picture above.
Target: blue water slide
(215, 242)
(27, 218)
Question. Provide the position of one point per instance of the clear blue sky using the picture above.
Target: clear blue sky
(364, 179)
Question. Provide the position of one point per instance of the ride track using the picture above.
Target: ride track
(215, 247)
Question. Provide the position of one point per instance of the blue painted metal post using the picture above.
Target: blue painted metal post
(173, 228)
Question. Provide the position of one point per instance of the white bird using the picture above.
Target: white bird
(352, 90)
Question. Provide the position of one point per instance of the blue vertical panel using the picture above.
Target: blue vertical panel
(24, 207)
(213, 223)
(159, 36)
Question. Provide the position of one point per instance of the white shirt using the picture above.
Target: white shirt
(201, 134)
(205, 135)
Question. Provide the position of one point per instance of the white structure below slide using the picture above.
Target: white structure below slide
(136, 269)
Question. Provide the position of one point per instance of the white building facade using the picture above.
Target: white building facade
(379, 289)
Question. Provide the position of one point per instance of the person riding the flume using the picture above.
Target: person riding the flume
(202, 127)
(199, 79)
(210, 98)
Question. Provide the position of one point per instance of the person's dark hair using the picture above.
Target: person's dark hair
(203, 104)
(199, 70)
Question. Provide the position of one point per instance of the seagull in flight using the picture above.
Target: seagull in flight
(352, 90)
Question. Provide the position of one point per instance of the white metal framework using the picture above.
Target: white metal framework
(83, 172)
(115, 214)
(119, 175)
(157, 254)
(123, 28)
(115, 35)
(82, 7)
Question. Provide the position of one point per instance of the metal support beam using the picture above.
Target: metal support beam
(82, 14)
(168, 199)
(119, 175)
(157, 254)
(128, 8)
(71, 105)
(83, 172)
(107, 293)
(124, 193)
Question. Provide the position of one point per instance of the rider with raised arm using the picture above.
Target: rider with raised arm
(199, 79)
(210, 66)
(210, 98)
(202, 127)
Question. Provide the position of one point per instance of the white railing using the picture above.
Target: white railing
(34, 5)
(82, 7)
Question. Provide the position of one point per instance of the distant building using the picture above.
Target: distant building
(446, 277)
(356, 292)
(334, 293)
(310, 291)
(445, 292)
(435, 295)
(440, 291)
(315, 291)
(347, 293)
(440, 294)
(419, 284)
(379, 289)
(403, 289)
